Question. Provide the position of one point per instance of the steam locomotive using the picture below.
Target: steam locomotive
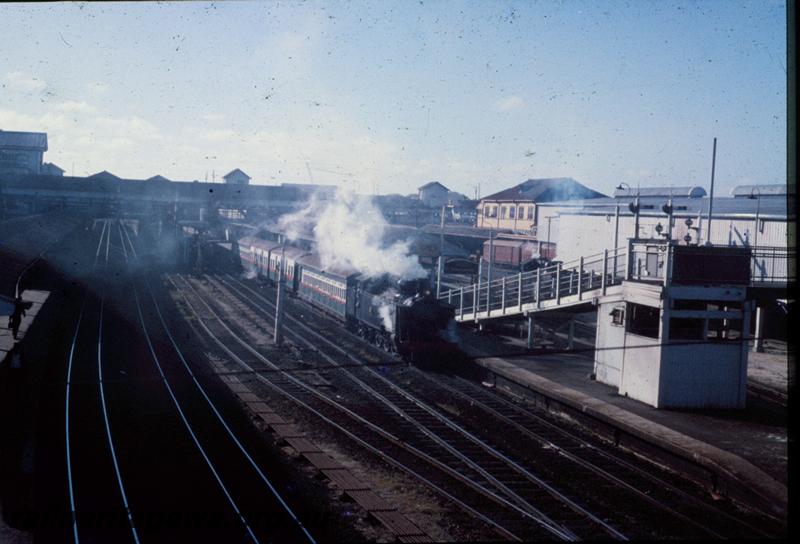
(398, 316)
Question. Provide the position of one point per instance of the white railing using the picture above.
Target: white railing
(510, 293)
(773, 265)
(590, 276)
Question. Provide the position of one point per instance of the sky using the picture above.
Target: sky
(385, 96)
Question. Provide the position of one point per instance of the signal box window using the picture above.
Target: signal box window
(685, 328)
(643, 320)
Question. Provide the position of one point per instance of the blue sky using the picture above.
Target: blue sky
(386, 96)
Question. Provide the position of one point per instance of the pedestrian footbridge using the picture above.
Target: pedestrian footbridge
(585, 280)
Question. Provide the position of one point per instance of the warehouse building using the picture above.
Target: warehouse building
(754, 216)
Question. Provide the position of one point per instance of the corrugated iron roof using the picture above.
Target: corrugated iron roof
(776, 208)
(666, 192)
(757, 191)
(23, 140)
(546, 190)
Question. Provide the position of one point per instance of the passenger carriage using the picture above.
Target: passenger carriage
(327, 288)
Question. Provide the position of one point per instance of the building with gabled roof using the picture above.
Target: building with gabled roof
(433, 194)
(237, 177)
(21, 153)
(50, 169)
(157, 177)
(106, 175)
(516, 208)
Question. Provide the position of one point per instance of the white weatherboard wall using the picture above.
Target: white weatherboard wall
(579, 235)
(708, 374)
(608, 361)
(641, 369)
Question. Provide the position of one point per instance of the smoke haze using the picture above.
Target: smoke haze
(348, 232)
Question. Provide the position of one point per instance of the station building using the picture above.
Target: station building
(21, 153)
(516, 208)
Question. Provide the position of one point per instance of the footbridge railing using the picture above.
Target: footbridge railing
(514, 294)
(773, 266)
(579, 281)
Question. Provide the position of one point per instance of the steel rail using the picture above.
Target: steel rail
(70, 359)
(213, 407)
(616, 460)
(599, 471)
(613, 532)
(538, 420)
(341, 408)
(562, 531)
(181, 413)
(444, 443)
(444, 420)
(104, 407)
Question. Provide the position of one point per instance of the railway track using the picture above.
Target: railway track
(444, 470)
(229, 491)
(115, 493)
(148, 454)
(630, 484)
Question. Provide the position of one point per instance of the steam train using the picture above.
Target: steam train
(401, 317)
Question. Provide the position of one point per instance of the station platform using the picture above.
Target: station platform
(742, 454)
(8, 366)
(37, 298)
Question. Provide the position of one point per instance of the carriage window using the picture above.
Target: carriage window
(511, 212)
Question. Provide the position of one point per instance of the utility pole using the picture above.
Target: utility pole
(616, 238)
(489, 272)
(758, 209)
(441, 255)
(711, 195)
(668, 208)
(280, 296)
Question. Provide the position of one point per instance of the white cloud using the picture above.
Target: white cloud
(23, 82)
(97, 87)
(509, 103)
(73, 106)
(214, 117)
(343, 153)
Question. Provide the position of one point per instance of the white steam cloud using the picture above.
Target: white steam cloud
(348, 231)
(385, 311)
